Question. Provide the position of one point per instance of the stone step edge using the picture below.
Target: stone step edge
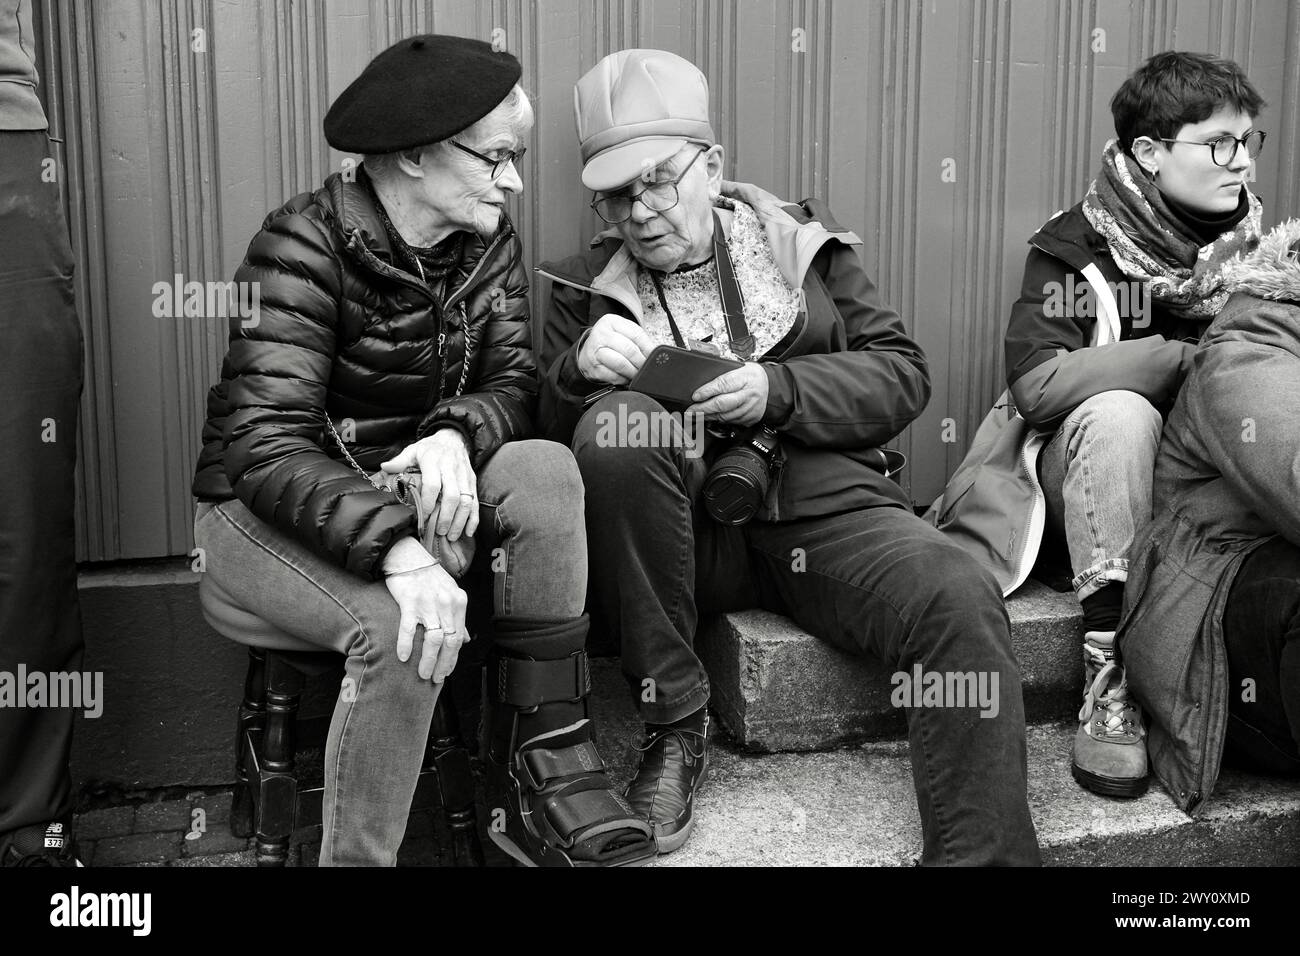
(754, 657)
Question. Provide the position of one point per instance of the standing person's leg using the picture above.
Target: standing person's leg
(41, 367)
(883, 583)
(1097, 475)
(1261, 634)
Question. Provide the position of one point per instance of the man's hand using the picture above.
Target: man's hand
(738, 397)
(614, 350)
(431, 598)
(448, 486)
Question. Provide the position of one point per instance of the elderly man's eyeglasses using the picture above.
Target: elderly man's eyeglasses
(498, 165)
(657, 197)
(1223, 150)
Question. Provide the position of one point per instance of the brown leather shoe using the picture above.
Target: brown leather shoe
(673, 764)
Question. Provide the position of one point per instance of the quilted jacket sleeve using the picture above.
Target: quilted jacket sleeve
(275, 430)
(501, 393)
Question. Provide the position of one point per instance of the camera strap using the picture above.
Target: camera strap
(733, 303)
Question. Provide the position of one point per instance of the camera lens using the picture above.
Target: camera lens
(736, 486)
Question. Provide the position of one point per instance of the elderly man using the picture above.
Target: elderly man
(822, 374)
(394, 334)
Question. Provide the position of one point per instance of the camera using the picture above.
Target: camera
(738, 481)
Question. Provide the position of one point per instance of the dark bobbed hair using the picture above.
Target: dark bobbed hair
(1173, 89)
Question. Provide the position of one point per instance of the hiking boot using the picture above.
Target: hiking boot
(1110, 750)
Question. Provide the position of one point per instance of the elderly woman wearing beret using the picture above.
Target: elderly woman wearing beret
(394, 334)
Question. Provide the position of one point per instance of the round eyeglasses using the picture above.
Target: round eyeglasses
(1223, 150)
(657, 197)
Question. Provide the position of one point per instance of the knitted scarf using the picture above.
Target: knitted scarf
(1150, 244)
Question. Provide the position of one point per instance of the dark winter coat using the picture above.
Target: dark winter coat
(845, 381)
(344, 330)
(1227, 480)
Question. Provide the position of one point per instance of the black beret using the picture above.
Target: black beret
(420, 90)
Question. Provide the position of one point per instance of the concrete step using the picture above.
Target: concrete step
(857, 805)
(777, 688)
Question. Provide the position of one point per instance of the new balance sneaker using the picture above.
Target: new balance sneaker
(48, 845)
(1110, 748)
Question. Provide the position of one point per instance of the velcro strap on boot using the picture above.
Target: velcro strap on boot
(572, 816)
(525, 684)
(540, 765)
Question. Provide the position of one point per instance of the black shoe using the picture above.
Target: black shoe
(673, 763)
(38, 845)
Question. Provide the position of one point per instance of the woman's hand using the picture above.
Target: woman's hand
(448, 486)
(429, 597)
(738, 397)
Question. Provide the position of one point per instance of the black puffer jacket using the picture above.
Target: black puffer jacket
(342, 329)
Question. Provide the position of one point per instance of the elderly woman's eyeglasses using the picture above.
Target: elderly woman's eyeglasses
(1223, 150)
(658, 197)
(498, 165)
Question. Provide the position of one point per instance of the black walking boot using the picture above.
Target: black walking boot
(549, 800)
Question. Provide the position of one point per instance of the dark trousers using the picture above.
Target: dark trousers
(878, 582)
(40, 368)
(1261, 633)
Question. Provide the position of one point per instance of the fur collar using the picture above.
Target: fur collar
(1272, 269)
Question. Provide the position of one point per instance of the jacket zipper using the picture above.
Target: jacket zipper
(376, 265)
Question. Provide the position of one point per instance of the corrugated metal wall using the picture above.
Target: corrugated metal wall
(175, 154)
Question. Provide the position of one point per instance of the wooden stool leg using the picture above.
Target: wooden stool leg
(252, 714)
(455, 783)
(278, 787)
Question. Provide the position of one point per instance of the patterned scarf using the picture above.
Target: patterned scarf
(1150, 244)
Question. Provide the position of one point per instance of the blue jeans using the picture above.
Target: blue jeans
(1097, 476)
(530, 505)
(877, 582)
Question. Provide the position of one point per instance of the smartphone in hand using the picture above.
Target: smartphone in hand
(671, 375)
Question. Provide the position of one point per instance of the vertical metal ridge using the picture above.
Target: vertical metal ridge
(1288, 195)
(907, 208)
(72, 89)
(176, 90)
(823, 117)
(793, 105)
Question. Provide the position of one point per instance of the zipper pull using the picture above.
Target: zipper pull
(442, 345)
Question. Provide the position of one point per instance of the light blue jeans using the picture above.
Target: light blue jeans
(1097, 475)
(530, 504)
